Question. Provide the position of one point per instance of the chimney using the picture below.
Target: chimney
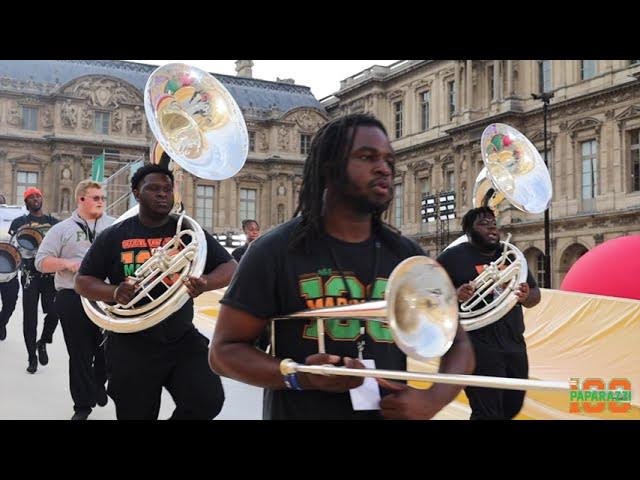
(243, 68)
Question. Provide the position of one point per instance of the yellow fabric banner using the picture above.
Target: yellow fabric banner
(569, 335)
(572, 335)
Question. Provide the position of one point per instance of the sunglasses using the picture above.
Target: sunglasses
(96, 198)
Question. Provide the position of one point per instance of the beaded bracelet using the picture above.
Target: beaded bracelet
(291, 381)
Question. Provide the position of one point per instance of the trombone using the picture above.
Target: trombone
(421, 309)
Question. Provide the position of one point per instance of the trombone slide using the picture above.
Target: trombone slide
(288, 366)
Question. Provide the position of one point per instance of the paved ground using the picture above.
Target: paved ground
(45, 394)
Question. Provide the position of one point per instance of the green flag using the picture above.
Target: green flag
(97, 169)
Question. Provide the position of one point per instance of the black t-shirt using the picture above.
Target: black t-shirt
(463, 263)
(239, 252)
(120, 249)
(42, 224)
(273, 281)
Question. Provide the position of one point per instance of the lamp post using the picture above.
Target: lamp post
(545, 97)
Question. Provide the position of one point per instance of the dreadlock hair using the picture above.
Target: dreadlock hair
(146, 170)
(327, 163)
(471, 215)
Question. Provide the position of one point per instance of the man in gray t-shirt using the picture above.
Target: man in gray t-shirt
(62, 251)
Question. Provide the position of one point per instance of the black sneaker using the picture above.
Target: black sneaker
(33, 365)
(3, 332)
(101, 396)
(42, 352)
(81, 415)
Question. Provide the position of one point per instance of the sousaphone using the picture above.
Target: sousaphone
(200, 128)
(515, 174)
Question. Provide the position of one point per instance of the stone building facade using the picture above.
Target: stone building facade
(436, 110)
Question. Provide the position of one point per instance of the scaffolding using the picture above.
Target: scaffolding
(439, 208)
(118, 169)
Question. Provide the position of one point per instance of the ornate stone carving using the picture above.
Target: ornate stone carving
(14, 115)
(283, 137)
(86, 118)
(46, 118)
(304, 121)
(631, 112)
(248, 177)
(134, 122)
(282, 190)
(422, 83)
(357, 106)
(421, 165)
(396, 94)
(68, 115)
(103, 92)
(263, 141)
(65, 173)
(116, 121)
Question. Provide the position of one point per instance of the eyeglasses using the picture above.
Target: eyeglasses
(96, 198)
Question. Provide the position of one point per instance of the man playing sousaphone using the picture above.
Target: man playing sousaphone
(171, 354)
(500, 347)
(35, 284)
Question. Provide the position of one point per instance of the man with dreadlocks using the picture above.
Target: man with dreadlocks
(337, 251)
(499, 347)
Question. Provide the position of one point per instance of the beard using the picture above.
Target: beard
(364, 205)
(481, 243)
(360, 202)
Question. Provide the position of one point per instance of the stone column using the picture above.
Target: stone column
(469, 85)
(496, 80)
(509, 78)
(457, 87)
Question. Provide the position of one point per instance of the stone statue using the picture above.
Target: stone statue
(14, 116)
(47, 119)
(280, 213)
(283, 138)
(87, 119)
(68, 115)
(65, 201)
(117, 121)
(134, 122)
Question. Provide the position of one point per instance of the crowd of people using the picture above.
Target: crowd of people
(337, 249)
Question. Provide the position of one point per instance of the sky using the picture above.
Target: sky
(322, 76)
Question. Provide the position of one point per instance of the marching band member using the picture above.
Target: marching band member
(500, 347)
(62, 251)
(36, 285)
(171, 354)
(337, 251)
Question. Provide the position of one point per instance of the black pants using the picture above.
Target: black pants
(494, 403)
(138, 368)
(87, 372)
(40, 286)
(9, 292)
